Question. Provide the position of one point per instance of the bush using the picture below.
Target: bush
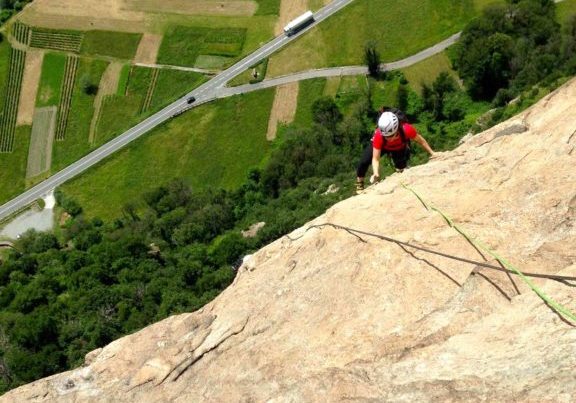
(69, 205)
(88, 87)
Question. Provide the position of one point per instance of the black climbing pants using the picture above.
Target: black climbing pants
(399, 158)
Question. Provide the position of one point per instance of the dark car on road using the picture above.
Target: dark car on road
(190, 100)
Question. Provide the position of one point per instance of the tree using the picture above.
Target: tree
(69, 205)
(325, 112)
(509, 46)
(434, 96)
(88, 86)
(402, 97)
(372, 59)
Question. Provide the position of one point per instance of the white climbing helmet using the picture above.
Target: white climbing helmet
(388, 124)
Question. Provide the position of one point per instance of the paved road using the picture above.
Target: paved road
(336, 71)
(205, 93)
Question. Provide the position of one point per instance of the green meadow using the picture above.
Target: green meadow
(123, 80)
(182, 45)
(211, 145)
(4, 67)
(50, 85)
(121, 111)
(13, 165)
(309, 91)
(119, 45)
(425, 72)
(399, 29)
(259, 29)
(565, 10)
(76, 145)
(268, 7)
(172, 84)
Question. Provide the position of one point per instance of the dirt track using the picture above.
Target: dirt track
(148, 49)
(283, 108)
(30, 81)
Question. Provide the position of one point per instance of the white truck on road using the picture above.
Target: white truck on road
(298, 23)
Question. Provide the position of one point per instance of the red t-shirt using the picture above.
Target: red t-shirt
(393, 144)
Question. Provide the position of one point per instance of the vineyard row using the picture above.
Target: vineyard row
(66, 97)
(11, 100)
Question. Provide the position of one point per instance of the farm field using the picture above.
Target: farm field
(75, 141)
(4, 67)
(13, 165)
(221, 8)
(186, 147)
(120, 45)
(29, 86)
(283, 108)
(66, 96)
(11, 99)
(148, 47)
(142, 95)
(310, 90)
(53, 68)
(108, 86)
(182, 45)
(65, 40)
(41, 141)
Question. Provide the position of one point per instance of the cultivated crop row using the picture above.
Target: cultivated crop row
(21, 32)
(150, 93)
(11, 100)
(66, 96)
(69, 41)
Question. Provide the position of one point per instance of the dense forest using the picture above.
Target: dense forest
(65, 294)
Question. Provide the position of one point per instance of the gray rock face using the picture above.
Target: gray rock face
(328, 315)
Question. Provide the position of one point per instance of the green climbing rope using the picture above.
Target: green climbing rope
(555, 305)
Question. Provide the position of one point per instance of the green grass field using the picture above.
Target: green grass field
(76, 143)
(399, 29)
(309, 91)
(4, 67)
(426, 71)
(565, 10)
(182, 45)
(117, 114)
(212, 145)
(259, 29)
(351, 89)
(172, 84)
(13, 165)
(120, 112)
(51, 80)
(123, 80)
(120, 45)
(268, 7)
